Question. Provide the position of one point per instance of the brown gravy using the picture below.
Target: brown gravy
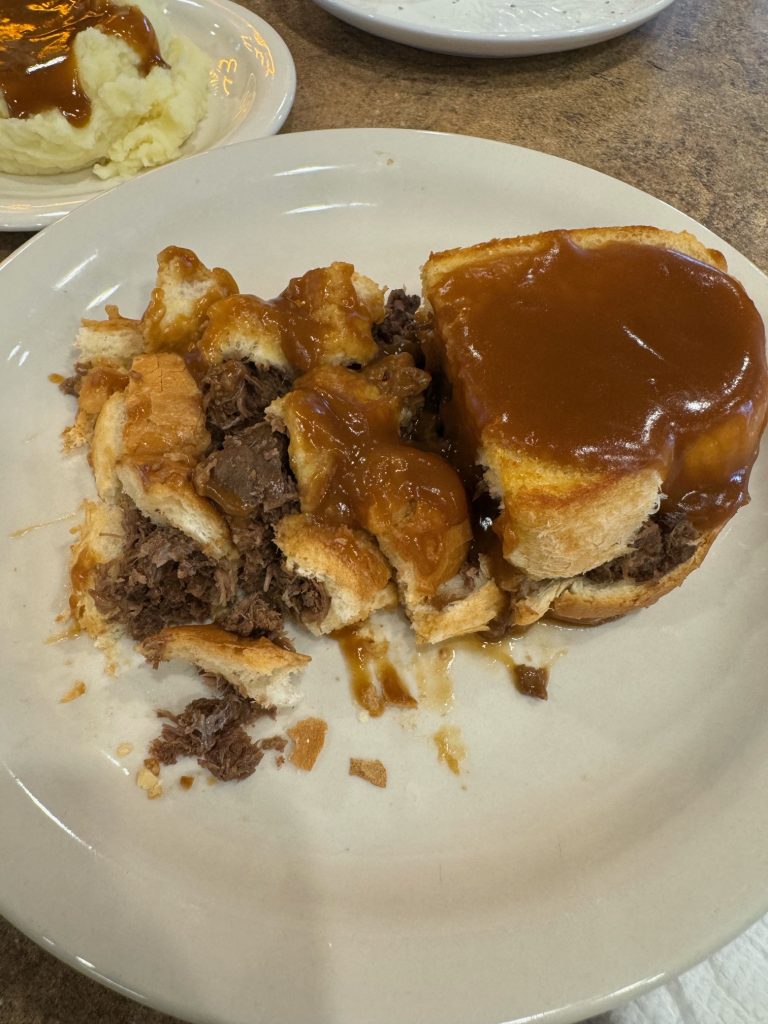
(38, 68)
(368, 665)
(619, 357)
(369, 477)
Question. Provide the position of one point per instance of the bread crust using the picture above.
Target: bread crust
(582, 601)
(442, 263)
(355, 574)
(258, 668)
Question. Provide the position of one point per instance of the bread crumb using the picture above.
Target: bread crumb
(155, 792)
(372, 771)
(152, 765)
(145, 779)
(77, 691)
(124, 749)
(308, 737)
(187, 781)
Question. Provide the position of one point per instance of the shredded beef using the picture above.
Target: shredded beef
(399, 331)
(212, 729)
(251, 615)
(161, 579)
(661, 544)
(304, 597)
(235, 394)
(265, 573)
(249, 473)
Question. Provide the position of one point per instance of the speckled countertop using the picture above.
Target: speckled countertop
(678, 108)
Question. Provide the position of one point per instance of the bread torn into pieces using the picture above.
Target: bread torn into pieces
(323, 317)
(562, 429)
(349, 565)
(354, 469)
(258, 668)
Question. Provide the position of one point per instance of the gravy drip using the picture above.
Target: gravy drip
(620, 357)
(365, 659)
(368, 477)
(38, 68)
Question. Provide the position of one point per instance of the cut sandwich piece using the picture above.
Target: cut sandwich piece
(353, 469)
(600, 379)
(348, 564)
(258, 669)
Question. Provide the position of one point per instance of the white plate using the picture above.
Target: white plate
(495, 28)
(251, 91)
(594, 845)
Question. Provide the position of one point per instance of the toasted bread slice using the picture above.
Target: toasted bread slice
(322, 318)
(561, 517)
(347, 562)
(259, 669)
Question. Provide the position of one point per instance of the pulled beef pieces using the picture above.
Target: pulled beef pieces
(249, 473)
(251, 615)
(264, 573)
(212, 729)
(161, 579)
(236, 393)
(308, 599)
(399, 331)
(251, 480)
(661, 544)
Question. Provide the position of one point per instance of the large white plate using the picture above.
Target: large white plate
(252, 87)
(594, 845)
(496, 28)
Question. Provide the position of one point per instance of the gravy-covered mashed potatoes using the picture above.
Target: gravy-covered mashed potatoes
(95, 83)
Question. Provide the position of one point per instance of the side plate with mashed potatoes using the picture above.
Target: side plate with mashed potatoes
(251, 86)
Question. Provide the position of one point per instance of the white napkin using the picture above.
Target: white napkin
(729, 988)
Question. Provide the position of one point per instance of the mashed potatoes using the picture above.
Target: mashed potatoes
(136, 121)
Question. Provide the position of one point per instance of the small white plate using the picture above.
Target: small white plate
(251, 91)
(495, 28)
(594, 845)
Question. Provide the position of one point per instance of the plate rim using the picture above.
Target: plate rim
(13, 219)
(468, 43)
(386, 136)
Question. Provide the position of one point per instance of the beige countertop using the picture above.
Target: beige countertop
(678, 108)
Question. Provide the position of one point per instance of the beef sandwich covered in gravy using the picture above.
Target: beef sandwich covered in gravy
(253, 458)
(563, 428)
(607, 395)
